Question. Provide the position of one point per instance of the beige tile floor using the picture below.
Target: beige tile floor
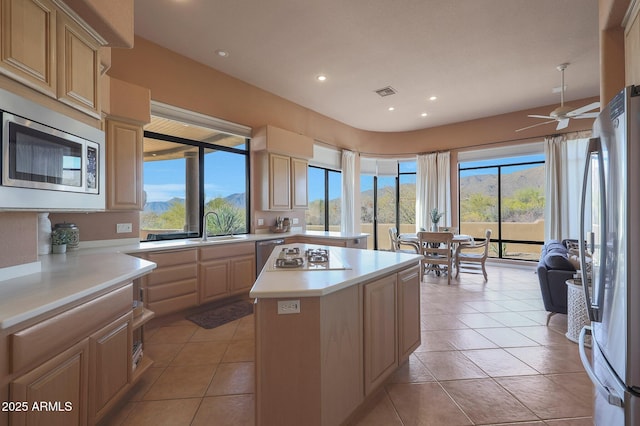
(486, 358)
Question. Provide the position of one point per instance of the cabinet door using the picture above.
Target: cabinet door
(243, 273)
(61, 383)
(380, 331)
(408, 312)
(28, 43)
(124, 166)
(110, 354)
(214, 280)
(632, 49)
(279, 182)
(78, 67)
(299, 184)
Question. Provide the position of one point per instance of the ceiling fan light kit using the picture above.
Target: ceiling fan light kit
(563, 113)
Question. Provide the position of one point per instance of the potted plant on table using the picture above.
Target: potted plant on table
(435, 218)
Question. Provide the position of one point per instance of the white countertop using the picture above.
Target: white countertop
(364, 265)
(63, 280)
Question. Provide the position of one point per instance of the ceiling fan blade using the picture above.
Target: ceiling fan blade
(585, 108)
(562, 124)
(588, 115)
(536, 125)
(540, 116)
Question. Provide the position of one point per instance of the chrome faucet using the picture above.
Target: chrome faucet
(204, 223)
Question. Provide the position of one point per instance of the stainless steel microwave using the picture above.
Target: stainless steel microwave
(49, 160)
(39, 156)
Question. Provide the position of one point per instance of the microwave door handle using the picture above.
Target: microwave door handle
(593, 306)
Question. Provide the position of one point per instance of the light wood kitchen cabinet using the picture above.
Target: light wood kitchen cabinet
(173, 285)
(282, 181)
(45, 49)
(408, 312)
(299, 184)
(78, 67)
(62, 380)
(28, 43)
(225, 271)
(380, 331)
(110, 354)
(632, 45)
(124, 165)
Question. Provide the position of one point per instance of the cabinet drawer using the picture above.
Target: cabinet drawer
(55, 334)
(167, 291)
(173, 257)
(226, 250)
(173, 273)
(174, 304)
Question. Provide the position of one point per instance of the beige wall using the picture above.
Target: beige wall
(18, 238)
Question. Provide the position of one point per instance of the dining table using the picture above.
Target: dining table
(413, 240)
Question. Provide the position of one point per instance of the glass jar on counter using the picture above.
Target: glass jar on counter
(71, 234)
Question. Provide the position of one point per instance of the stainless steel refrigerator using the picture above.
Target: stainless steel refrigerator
(610, 228)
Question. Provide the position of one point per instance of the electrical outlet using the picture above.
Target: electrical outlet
(288, 307)
(260, 222)
(123, 228)
(295, 220)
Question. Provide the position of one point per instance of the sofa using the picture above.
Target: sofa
(555, 267)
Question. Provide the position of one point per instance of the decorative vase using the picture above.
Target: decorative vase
(434, 227)
(44, 233)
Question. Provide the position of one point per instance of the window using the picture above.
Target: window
(506, 195)
(388, 199)
(190, 170)
(325, 191)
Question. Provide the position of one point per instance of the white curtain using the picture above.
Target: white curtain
(433, 188)
(565, 157)
(347, 214)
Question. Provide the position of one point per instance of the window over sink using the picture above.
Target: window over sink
(189, 170)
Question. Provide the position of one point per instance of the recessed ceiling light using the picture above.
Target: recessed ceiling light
(424, 114)
(433, 98)
(391, 109)
(321, 77)
(222, 53)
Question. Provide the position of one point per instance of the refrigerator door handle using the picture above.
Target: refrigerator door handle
(611, 397)
(593, 302)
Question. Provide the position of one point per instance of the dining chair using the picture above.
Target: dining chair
(395, 242)
(473, 255)
(436, 253)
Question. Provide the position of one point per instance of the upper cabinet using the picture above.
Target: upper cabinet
(44, 49)
(280, 161)
(632, 45)
(28, 43)
(78, 67)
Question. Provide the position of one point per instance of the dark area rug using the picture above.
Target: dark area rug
(223, 314)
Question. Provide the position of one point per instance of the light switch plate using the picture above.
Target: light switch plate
(123, 228)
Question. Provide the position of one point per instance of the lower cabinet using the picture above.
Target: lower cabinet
(408, 312)
(61, 383)
(380, 331)
(77, 381)
(110, 354)
(225, 270)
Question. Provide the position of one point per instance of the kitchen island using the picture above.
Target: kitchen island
(327, 339)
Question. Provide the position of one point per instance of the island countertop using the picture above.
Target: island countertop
(362, 265)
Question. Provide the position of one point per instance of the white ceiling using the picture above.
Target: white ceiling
(480, 57)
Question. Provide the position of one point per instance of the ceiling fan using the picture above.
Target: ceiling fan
(563, 113)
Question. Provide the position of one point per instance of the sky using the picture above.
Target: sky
(225, 175)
